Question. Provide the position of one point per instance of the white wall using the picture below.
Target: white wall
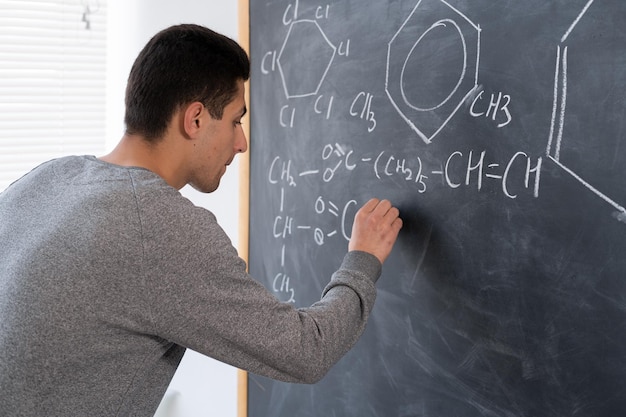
(201, 386)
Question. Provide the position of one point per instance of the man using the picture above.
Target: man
(108, 273)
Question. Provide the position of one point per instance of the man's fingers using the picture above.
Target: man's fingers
(387, 211)
(371, 205)
(392, 213)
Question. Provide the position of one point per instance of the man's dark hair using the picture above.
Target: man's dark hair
(180, 65)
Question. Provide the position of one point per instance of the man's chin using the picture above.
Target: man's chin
(205, 188)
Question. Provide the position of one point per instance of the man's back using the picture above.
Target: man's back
(70, 292)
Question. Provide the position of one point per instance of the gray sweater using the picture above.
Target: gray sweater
(107, 274)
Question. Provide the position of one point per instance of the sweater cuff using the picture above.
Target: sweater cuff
(364, 262)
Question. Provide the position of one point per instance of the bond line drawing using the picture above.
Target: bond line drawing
(426, 120)
(291, 58)
(559, 106)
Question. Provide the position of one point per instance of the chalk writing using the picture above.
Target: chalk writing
(416, 106)
(557, 126)
(471, 168)
(425, 110)
(362, 108)
(497, 107)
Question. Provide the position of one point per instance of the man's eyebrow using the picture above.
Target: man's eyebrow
(244, 110)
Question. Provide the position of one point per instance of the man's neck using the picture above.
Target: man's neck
(135, 151)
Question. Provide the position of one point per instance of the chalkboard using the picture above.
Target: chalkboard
(497, 128)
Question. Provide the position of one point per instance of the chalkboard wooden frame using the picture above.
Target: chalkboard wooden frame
(244, 195)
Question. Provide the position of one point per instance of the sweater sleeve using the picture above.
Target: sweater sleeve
(201, 297)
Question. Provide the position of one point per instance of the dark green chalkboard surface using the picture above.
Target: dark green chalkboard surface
(498, 128)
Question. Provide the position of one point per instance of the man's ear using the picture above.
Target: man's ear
(193, 118)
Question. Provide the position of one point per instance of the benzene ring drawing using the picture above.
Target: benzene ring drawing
(432, 66)
(556, 142)
(306, 50)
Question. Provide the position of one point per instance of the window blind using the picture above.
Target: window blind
(52, 82)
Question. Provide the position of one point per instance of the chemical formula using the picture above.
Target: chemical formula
(407, 92)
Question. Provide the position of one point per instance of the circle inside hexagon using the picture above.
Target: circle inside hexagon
(437, 59)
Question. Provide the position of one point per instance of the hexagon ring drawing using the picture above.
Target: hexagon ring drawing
(304, 59)
(432, 66)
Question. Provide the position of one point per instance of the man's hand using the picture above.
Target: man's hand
(375, 229)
